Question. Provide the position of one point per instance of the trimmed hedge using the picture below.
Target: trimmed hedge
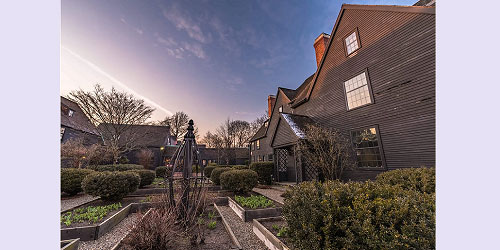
(240, 181)
(264, 170)
(117, 167)
(111, 185)
(419, 179)
(147, 176)
(215, 175)
(240, 167)
(161, 171)
(208, 170)
(71, 179)
(354, 215)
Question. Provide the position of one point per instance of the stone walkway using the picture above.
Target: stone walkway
(273, 193)
(242, 230)
(76, 201)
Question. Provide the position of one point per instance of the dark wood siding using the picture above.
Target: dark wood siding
(284, 135)
(398, 52)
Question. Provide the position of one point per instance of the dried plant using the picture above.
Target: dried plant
(145, 158)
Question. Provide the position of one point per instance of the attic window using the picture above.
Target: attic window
(357, 91)
(62, 132)
(351, 43)
(70, 113)
(280, 109)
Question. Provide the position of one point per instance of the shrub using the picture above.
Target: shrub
(161, 171)
(239, 167)
(195, 169)
(215, 175)
(264, 170)
(111, 185)
(208, 170)
(354, 215)
(420, 179)
(212, 164)
(71, 179)
(117, 167)
(239, 180)
(147, 176)
(123, 160)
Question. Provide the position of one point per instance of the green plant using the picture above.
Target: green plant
(195, 169)
(123, 160)
(254, 201)
(275, 227)
(282, 232)
(208, 170)
(211, 215)
(159, 182)
(117, 167)
(71, 179)
(212, 224)
(161, 171)
(111, 185)
(147, 199)
(147, 176)
(239, 181)
(89, 214)
(420, 179)
(354, 215)
(264, 171)
(215, 175)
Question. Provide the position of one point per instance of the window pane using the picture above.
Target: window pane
(357, 91)
(367, 148)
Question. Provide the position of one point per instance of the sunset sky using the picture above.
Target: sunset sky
(210, 59)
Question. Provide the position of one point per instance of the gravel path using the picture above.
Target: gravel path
(273, 193)
(112, 237)
(242, 230)
(76, 201)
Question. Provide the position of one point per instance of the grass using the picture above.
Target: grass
(89, 214)
(254, 201)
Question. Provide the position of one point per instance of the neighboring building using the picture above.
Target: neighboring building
(76, 125)
(138, 137)
(375, 78)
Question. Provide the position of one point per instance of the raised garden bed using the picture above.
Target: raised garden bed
(271, 232)
(92, 231)
(70, 244)
(249, 213)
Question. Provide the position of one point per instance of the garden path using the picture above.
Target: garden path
(71, 202)
(272, 192)
(242, 230)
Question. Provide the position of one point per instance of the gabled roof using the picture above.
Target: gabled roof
(260, 133)
(289, 93)
(78, 120)
(141, 135)
(298, 123)
(301, 91)
(305, 95)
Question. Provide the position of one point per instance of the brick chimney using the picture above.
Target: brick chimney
(271, 100)
(320, 46)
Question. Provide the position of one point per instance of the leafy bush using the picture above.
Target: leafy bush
(420, 179)
(161, 171)
(123, 160)
(239, 180)
(354, 215)
(71, 179)
(212, 164)
(208, 170)
(147, 176)
(254, 201)
(111, 185)
(239, 167)
(264, 170)
(215, 175)
(117, 167)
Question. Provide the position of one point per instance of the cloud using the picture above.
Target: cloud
(177, 53)
(139, 31)
(183, 22)
(116, 81)
(195, 49)
(226, 36)
(169, 42)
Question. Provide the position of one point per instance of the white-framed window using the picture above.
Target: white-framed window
(351, 43)
(70, 113)
(62, 132)
(280, 109)
(357, 91)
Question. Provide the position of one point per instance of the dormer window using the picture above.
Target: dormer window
(280, 109)
(352, 43)
(70, 113)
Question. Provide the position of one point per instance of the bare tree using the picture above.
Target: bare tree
(242, 133)
(114, 114)
(257, 123)
(145, 157)
(178, 123)
(214, 141)
(328, 149)
(77, 154)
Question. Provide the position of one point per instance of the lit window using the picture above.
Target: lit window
(280, 109)
(70, 113)
(258, 144)
(62, 132)
(351, 43)
(357, 92)
(367, 146)
(260, 158)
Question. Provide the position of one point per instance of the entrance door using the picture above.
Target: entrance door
(282, 164)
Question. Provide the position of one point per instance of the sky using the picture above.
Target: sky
(213, 60)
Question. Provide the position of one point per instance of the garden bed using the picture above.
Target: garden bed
(92, 231)
(70, 244)
(271, 232)
(248, 213)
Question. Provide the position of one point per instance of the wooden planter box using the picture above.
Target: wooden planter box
(148, 191)
(70, 244)
(250, 214)
(272, 242)
(94, 232)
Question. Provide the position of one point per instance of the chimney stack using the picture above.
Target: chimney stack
(320, 46)
(271, 100)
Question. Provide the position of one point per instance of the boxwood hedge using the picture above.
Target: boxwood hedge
(111, 185)
(215, 175)
(264, 170)
(240, 181)
(71, 179)
(116, 167)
